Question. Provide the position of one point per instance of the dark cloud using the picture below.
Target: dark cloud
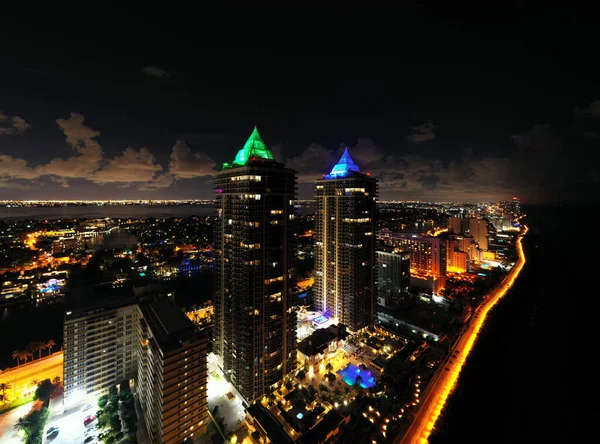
(89, 153)
(423, 133)
(593, 109)
(313, 162)
(60, 180)
(429, 182)
(415, 177)
(131, 166)
(15, 168)
(535, 165)
(155, 71)
(186, 164)
(12, 125)
(89, 163)
(164, 180)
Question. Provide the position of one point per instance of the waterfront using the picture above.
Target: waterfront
(504, 392)
(101, 211)
(117, 238)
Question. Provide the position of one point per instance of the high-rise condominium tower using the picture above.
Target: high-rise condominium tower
(393, 277)
(255, 327)
(149, 339)
(345, 244)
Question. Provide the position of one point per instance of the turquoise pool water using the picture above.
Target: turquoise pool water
(350, 373)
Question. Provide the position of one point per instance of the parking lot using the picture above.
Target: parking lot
(71, 428)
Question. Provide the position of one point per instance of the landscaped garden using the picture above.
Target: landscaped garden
(115, 410)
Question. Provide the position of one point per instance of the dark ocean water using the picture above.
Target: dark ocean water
(513, 388)
(96, 212)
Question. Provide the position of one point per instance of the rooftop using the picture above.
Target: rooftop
(170, 326)
(344, 167)
(320, 432)
(318, 341)
(253, 149)
(269, 424)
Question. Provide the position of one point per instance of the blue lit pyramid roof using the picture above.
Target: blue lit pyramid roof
(344, 167)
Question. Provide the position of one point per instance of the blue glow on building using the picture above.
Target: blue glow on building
(345, 167)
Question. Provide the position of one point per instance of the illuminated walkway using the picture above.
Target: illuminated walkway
(444, 381)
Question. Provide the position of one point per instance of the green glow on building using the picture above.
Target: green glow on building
(254, 148)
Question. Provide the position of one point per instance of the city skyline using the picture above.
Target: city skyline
(468, 113)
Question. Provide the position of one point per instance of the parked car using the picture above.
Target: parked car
(89, 439)
(52, 432)
(89, 419)
(87, 407)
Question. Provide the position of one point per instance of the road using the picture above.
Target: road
(8, 421)
(20, 378)
(440, 388)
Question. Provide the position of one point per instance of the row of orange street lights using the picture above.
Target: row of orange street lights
(438, 393)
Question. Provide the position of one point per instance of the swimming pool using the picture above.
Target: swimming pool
(350, 373)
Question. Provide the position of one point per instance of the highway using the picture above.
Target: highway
(441, 386)
(20, 378)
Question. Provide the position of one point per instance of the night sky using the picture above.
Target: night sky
(438, 104)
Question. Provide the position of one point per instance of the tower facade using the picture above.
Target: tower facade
(393, 277)
(478, 228)
(427, 255)
(516, 206)
(344, 286)
(255, 327)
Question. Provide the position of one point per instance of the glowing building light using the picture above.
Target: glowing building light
(344, 167)
(253, 149)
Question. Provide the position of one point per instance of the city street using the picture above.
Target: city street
(7, 423)
(441, 386)
(21, 378)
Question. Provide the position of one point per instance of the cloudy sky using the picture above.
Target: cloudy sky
(435, 106)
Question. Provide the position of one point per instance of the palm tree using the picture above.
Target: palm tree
(271, 395)
(17, 355)
(4, 386)
(26, 354)
(56, 380)
(23, 423)
(35, 347)
(49, 346)
(329, 367)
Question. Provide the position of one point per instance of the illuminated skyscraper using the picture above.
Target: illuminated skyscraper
(516, 206)
(427, 257)
(255, 327)
(146, 338)
(345, 244)
(478, 228)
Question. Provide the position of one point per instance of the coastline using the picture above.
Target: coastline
(444, 381)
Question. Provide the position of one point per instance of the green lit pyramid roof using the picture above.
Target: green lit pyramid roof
(254, 148)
